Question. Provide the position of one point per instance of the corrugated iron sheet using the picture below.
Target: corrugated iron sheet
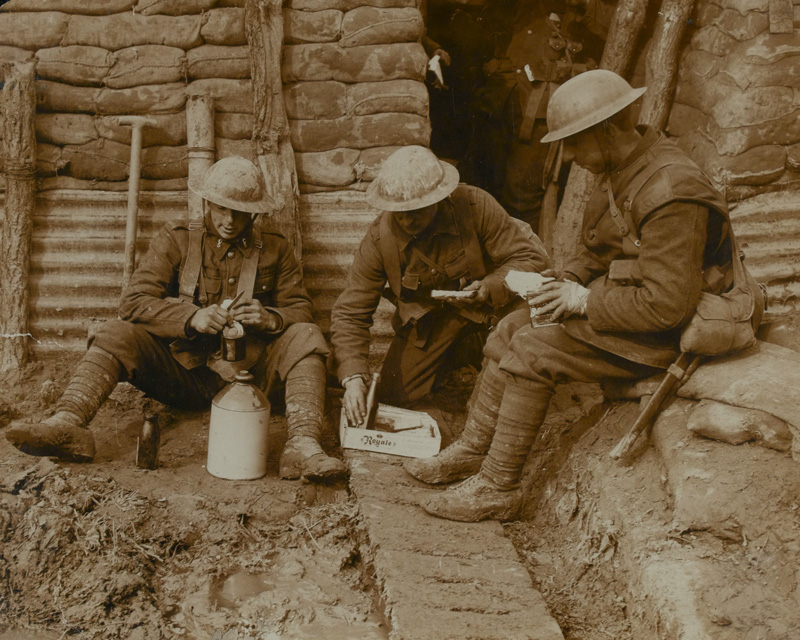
(78, 250)
(768, 229)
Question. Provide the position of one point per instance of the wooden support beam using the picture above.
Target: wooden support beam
(264, 27)
(18, 108)
(663, 58)
(200, 142)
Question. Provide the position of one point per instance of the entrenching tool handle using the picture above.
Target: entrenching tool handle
(137, 123)
(678, 372)
(372, 401)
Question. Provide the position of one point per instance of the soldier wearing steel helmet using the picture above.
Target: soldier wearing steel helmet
(654, 236)
(432, 234)
(166, 341)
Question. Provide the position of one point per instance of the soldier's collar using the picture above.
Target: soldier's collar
(443, 223)
(219, 246)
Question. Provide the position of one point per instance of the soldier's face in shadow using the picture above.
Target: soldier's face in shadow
(416, 221)
(229, 223)
(583, 148)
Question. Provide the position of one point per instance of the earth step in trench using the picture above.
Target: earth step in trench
(439, 579)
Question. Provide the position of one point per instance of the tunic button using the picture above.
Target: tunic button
(263, 287)
(231, 280)
(530, 32)
(604, 187)
(591, 235)
(519, 70)
(433, 272)
(230, 254)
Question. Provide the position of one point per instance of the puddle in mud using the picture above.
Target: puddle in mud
(312, 602)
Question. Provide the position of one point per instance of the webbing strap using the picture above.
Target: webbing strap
(194, 261)
(463, 202)
(532, 107)
(247, 276)
(391, 255)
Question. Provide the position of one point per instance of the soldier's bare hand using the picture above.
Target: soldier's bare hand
(210, 320)
(251, 313)
(481, 295)
(354, 401)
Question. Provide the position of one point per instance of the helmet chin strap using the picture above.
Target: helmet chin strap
(604, 137)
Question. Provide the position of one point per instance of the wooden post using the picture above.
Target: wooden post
(623, 37)
(200, 141)
(264, 26)
(662, 61)
(19, 108)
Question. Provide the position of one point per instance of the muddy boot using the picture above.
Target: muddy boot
(463, 458)
(494, 492)
(65, 435)
(305, 399)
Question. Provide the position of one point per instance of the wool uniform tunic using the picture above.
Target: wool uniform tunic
(164, 357)
(427, 331)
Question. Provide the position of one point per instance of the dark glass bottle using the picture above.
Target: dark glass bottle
(148, 444)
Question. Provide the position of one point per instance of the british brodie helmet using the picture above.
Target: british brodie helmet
(586, 100)
(235, 183)
(412, 178)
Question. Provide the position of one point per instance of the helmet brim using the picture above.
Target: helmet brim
(596, 117)
(447, 185)
(265, 205)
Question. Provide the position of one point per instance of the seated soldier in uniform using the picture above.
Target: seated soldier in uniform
(655, 235)
(166, 342)
(432, 234)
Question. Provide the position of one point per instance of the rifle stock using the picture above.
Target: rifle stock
(678, 372)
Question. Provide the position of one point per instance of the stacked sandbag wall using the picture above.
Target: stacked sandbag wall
(737, 103)
(353, 73)
(353, 85)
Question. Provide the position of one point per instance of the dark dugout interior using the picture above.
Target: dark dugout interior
(505, 58)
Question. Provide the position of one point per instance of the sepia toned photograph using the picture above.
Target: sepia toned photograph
(399, 319)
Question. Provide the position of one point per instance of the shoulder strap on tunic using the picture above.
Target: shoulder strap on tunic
(193, 263)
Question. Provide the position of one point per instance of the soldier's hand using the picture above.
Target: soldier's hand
(354, 401)
(561, 298)
(481, 290)
(210, 320)
(251, 313)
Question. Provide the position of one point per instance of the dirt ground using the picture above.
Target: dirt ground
(107, 550)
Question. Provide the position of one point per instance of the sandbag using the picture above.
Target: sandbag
(230, 96)
(98, 160)
(165, 163)
(170, 129)
(234, 126)
(65, 128)
(49, 159)
(359, 132)
(243, 148)
(68, 182)
(121, 30)
(76, 64)
(372, 25)
(230, 3)
(328, 168)
(370, 162)
(39, 30)
(311, 100)
(65, 98)
(81, 7)
(357, 64)
(215, 61)
(146, 64)
(172, 7)
(349, 5)
(399, 96)
(224, 27)
(736, 425)
(311, 26)
(151, 98)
